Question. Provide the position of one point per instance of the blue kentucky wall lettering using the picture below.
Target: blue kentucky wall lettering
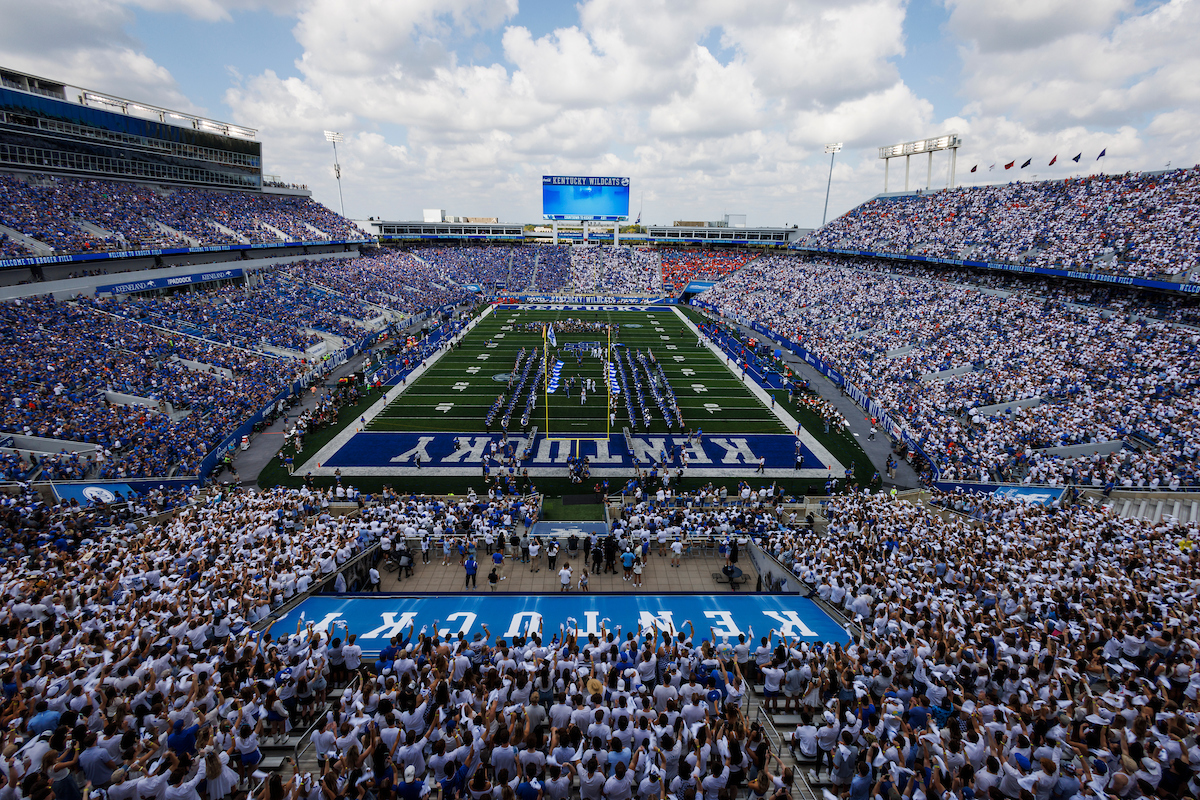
(377, 619)
(375, 450)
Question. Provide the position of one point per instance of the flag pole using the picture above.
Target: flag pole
(608, 383)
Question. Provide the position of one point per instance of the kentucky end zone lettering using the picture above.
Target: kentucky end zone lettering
(376, 619)
(728, 452)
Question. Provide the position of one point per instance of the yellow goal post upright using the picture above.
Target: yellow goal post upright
(575, 440)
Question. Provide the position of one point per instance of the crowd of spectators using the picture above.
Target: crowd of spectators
(280, 312)
(70, 370)
(390, 279)
(1139, 224)
(485, 265)
(553, 267)
(679, 267)
(521, 276)
(1006, 649)
(950, 363)
(49, 209)
(997, 649)
(615, 270)
(587, 265)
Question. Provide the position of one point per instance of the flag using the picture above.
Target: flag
(1102, 152)
(1053, 160)
(992, 168)
(1028, 161)
(974, 168)
(555, 374)
(1009, 165)
(611, 370)
(1076, 158)
(550, 335)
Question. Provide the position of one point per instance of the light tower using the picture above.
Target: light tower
(950, 141)
(832, 150)
(334, 137)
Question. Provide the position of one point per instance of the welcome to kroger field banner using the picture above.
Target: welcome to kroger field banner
(376, 619)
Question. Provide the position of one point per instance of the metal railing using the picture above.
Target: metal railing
(306, 737)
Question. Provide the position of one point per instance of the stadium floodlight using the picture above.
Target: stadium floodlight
(832, 150)
(333, 137)
(948, 141)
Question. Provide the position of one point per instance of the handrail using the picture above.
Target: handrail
(300, 746)
(772, 733)
(319, 585)
(775, 739)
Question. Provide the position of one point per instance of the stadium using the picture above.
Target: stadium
(901, 505)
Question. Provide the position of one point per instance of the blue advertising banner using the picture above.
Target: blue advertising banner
(1099, 277)
(164, 283)
(88, 493)
(164, 251)
(376, 619)
(699, 286)
(435, 453)
(1035, 495)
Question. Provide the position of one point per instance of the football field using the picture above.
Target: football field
(470, 403)
(457, 392)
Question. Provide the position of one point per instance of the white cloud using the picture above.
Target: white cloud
(1078, 62)
(1000, 26)
(631, 89)
(215, 10)
(708, 105)
(84, 43)
(892, 114)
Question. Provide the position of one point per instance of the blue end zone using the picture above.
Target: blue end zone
(376, 619)
(731, 454)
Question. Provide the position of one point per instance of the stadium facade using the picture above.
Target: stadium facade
(52, 127)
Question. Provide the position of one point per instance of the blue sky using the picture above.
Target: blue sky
(709, 105)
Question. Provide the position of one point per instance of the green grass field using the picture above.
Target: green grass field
(455, 394)
(709, 395)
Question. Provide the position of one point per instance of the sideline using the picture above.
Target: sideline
(789, 422)
(348, 433)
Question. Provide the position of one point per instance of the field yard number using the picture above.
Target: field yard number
(458, 387)
(699, 387)
(472, 370)
(712, 408)
(677, 358)
(670, 346)
(687, 372)
(444, 407)
(483, 356)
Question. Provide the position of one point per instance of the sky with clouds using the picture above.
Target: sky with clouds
(710, 106)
